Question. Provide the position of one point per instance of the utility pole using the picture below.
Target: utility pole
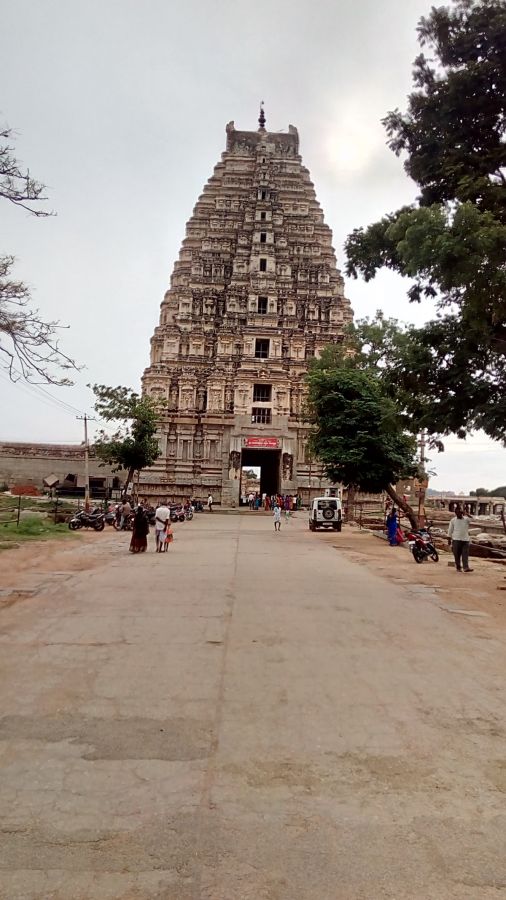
(421, 493)
(86, 419)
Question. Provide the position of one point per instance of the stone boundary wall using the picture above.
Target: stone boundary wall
(23, 463)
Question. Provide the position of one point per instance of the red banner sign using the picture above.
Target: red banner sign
(261, 443)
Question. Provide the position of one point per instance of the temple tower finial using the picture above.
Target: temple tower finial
(261, 118)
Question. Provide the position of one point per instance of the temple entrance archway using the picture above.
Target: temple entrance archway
(269, 463)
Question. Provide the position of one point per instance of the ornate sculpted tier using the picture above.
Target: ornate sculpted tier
(254, 295)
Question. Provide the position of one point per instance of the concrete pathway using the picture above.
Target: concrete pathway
(251, 717)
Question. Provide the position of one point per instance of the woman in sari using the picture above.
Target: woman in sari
(392, 525)
(139, 542)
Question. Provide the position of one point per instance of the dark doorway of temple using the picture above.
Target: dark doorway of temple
(268, 461)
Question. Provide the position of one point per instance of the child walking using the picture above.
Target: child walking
(169, 537)
(277, 518)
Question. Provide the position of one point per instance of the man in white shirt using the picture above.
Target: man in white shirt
(210, 503)
(458, 535)
(162, 516)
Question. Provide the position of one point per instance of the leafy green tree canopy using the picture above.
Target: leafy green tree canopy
(452, 242)
(134, 445)
(358, 434)
(391, 350)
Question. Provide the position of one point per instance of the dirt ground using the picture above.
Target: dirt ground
(253, 716)
(483, 590)
(20, 562)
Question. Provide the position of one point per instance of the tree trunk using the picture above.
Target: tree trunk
(127, 482)
(401, 503)
(350, 503)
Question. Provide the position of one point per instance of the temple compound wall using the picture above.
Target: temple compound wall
(29, 464)
(254, 296)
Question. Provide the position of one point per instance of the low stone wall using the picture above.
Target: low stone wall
(29, 464)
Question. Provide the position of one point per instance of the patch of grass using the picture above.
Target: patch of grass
(36, 502)
(32, 528)
(9, 509)
(9, 500)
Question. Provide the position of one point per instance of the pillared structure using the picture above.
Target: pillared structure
(254, 295)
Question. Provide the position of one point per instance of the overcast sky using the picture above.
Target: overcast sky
(120, 107)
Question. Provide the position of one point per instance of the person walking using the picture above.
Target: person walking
(210, 502)
(277, 518)
(126, 512)
(458, 536)
(140, 531)
(118, 516)
(162, 516)
(392, 526)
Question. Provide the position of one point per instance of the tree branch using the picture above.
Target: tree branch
(29, 346)
(16, 185)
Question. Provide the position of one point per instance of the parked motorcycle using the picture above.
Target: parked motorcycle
(128, 523)
(421, 546)
(177, 514)
(83, 519)
(188, 513)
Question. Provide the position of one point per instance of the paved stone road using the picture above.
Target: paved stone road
(252, 717)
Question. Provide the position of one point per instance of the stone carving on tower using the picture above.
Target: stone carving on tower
(254, 295)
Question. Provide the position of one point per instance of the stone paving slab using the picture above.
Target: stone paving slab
(252, 716)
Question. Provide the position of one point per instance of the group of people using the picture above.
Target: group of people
(458, 536)
(288, 502)
(164, 534)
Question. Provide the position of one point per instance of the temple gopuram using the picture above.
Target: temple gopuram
(254, 295)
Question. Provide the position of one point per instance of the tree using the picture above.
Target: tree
(384, 347)
(358, 433)
(452, 242)
(134, 445)
(499, 491)
(29, 346)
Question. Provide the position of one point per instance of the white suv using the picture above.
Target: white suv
(326, 512)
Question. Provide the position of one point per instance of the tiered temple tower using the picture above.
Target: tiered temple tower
(254, 295)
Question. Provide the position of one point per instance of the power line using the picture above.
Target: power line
(35, 391)
(33, 394)
(38, 392)
(62, 403)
